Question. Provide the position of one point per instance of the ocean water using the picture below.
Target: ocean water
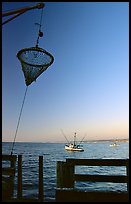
(53, 152)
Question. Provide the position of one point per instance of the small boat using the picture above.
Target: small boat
(114, 145)
(74, 147)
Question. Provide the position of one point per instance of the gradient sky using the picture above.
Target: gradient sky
(85, 90)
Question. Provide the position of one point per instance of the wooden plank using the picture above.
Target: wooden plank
(98, 162)
(8, 171)
(9, 157)
(7, 189)
(95, 196)
(67, 195)
(24, 200)
(101, 178)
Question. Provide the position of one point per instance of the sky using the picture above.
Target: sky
(85, 90)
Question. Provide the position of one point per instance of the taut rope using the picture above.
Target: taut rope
(19, 120)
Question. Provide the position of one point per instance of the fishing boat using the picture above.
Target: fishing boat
(74, 146)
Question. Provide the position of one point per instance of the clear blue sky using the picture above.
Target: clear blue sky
(86, 89)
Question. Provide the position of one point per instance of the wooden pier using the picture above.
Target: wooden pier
(66, 177)
(8, 177)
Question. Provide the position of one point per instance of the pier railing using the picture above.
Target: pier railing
(66, 177)
(8, 179)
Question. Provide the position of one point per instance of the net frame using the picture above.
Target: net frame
(48, 59)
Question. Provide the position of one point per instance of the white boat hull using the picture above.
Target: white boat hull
(75, 149)
(114, 145)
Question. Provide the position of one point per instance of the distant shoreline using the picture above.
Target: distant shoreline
(86, 141)
(109, 140)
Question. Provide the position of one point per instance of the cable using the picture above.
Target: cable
(19, 120)
(40, 34)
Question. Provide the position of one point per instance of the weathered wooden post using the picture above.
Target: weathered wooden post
(8, 175)
(65, 175)
(13, 161)
(19, 190)
(41, 195)
(127, 173)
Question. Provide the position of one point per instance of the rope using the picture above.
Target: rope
(37, 42)
(19, 120)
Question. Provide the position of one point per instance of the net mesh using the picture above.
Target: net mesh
(34, 61)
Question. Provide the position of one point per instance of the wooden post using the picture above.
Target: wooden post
(127, 173)
(41, 195)
(19, 190)
(13, 161)
(65, 175)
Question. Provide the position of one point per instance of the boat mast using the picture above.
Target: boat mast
(74, 138)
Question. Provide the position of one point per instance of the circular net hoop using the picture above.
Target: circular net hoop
(34, 61)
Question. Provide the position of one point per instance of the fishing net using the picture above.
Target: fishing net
(34, 61)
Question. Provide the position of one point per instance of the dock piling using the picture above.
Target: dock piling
(41, 194)
(19, 192)
(65, 175)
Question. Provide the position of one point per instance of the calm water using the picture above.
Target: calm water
(53, 152)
